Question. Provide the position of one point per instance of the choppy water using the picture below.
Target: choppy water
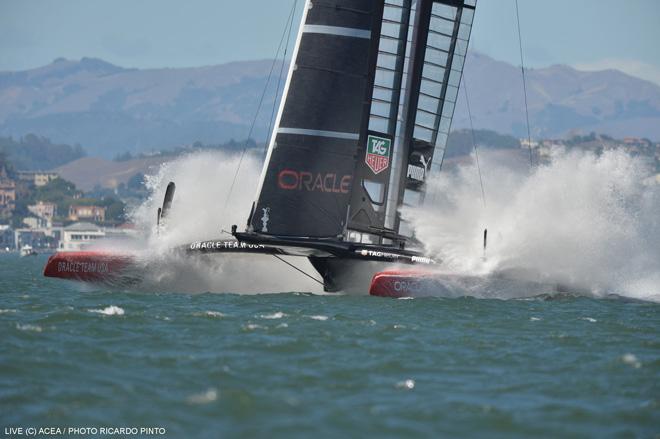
(296, 365)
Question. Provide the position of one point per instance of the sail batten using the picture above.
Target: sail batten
(319, 133)
(336, 30)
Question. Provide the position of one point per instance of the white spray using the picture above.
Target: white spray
(198, 212)
(585, 221)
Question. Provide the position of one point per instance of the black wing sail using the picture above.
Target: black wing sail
(307, 181)
(367, 109)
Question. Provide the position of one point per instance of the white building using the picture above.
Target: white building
(43, 210)
(39, 178)
(78, 236)
(35, 222)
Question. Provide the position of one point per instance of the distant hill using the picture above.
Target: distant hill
(88, 172)
(561, 100)
(461, 142)
(111, 110)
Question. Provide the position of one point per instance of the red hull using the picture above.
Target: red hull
(90, 266)
(399, 283)
(402, 283)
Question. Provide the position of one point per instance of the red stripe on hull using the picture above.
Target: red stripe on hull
(397, 283)
(88, 266)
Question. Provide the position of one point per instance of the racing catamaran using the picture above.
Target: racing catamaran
(366, 113)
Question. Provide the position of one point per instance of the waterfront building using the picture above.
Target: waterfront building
(35, 222)
(7, 194)
(89, 213)
(39, 178)
(44, 210)
(78, 236)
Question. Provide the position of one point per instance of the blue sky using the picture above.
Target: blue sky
(588, 34)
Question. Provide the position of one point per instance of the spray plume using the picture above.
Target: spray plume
(202, 184)
(584, 221)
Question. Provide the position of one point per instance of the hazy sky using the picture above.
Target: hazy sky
(589, 34)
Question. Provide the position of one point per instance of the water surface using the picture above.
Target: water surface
(296, 364)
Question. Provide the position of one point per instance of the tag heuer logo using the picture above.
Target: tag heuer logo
(378, 153)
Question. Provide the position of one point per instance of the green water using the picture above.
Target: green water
(300, 365)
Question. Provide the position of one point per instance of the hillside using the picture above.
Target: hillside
(111, 110)
(88, 172)
(37, 153)
(561, 99)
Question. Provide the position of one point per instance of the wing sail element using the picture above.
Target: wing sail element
(307, 181)
(368, 105)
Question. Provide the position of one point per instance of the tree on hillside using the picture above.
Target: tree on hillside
(115, 210)
(33, 152)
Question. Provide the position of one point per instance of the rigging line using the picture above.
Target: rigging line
(298, 269)
(522, 69)
(261, 100)
(271, 121)
(474, 141)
